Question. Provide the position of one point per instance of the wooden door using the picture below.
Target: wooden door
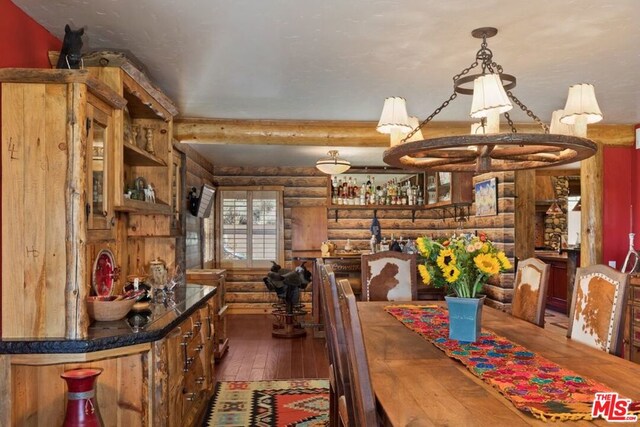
(308, 227)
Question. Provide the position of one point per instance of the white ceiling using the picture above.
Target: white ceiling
(338, 60)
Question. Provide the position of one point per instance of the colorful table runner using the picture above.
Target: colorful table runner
(531, 382)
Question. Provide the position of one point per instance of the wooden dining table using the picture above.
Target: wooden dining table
(417, 384)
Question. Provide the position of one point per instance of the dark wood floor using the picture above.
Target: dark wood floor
(254, 355)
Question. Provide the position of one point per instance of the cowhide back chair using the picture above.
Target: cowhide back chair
(530, 291)
(389, 276)
(597, 308)
(364, 404)
(340, 396)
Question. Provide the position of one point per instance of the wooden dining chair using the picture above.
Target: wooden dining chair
(597, 307)
(530, 291)
(364, 403)
(389, 276)
(340, 396)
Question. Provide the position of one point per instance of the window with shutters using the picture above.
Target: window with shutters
(251, 226)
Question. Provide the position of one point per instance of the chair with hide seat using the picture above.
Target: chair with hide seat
(597, 308)
(364, 404)
(389, 276)
(530, 291)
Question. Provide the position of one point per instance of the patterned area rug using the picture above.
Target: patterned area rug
(269, 403)
(531, 382)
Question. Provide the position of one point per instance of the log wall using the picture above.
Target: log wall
(308, 187)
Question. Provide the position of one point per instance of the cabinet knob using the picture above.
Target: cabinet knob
(200, 347)
(191, 396)
(188, 335)
(105, 213)
(200, 380)
(113, 221)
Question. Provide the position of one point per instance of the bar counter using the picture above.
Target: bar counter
(136, 328)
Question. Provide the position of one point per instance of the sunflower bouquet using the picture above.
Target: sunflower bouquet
(462, 262)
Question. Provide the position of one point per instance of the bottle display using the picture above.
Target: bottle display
(362, 191)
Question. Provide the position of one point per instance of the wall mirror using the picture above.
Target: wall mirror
(376, 186)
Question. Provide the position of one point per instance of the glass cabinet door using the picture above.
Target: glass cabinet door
(439, 188)
(444, 186)
(99, 209)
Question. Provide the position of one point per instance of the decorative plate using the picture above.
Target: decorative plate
(104, 273)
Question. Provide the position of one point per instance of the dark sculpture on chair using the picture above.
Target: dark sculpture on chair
(70, 56)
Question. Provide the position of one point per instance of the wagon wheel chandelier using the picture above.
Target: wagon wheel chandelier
(485, 148)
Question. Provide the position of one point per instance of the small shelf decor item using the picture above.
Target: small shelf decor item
(462, 264)
(105, 273)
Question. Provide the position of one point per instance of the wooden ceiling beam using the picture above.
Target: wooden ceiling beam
(333, 133)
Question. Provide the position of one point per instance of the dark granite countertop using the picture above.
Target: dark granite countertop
(136, 328)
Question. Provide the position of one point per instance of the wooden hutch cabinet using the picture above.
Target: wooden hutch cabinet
(81, 146)
(144, 159)
(57, 189)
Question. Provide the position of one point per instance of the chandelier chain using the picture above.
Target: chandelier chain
(444, 105)
(453, 96)
(530, 113)
(511, 125)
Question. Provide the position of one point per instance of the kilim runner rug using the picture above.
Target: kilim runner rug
(279, 403)
(531, 382)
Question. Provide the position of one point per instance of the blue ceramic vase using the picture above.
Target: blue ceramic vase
(465, 318)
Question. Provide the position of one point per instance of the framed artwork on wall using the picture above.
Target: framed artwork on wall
(487, 197)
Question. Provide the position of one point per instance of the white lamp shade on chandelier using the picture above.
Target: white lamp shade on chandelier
(489, 96)
(394, 117)
(333, 165)
(557, 126)
(581, 103)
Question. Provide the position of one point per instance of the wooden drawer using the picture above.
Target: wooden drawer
(635, 314)
(635, 336)
(635, 293)
(194, 377)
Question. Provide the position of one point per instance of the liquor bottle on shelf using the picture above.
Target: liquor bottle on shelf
(419, 197)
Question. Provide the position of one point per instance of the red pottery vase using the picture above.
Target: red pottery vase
(82, 410)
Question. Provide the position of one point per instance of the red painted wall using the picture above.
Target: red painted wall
(23, 43)
(621, 182)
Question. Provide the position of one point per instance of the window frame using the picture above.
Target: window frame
(251, 264)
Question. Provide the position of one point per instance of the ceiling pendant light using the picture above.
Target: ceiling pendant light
(333, 165)
(492, 150)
